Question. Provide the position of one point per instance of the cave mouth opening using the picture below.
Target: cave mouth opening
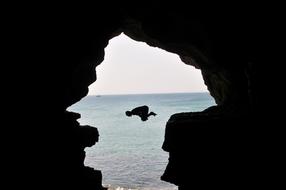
(129, 152)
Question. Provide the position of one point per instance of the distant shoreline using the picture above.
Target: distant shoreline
(98, 95)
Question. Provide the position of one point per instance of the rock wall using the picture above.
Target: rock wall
(209, 149)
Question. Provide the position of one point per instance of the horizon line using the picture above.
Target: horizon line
(151, 93)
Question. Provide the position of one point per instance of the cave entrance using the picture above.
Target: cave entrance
(129, 152)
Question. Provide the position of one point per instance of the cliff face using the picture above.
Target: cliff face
(65, 49)
(210, 149)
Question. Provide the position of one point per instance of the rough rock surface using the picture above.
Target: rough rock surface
(78, 138)
(208, 149)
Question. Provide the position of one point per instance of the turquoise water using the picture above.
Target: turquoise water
(129, 151)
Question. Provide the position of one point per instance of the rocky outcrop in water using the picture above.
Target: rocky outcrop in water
(79, 137)
(208, 149)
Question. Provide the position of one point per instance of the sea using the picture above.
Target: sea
(129, 152)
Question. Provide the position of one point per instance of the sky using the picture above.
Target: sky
(132, 67)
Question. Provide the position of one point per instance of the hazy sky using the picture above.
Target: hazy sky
(132, 67)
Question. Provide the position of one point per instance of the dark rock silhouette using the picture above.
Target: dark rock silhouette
(54, 57)
(209, 145)
(141, 111)
(81, 137)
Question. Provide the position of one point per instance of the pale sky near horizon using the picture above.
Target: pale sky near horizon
(132, 67)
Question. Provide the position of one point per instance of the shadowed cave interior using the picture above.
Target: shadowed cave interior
(211, 157)
(219, 147)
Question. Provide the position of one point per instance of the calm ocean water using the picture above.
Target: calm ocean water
(129, 151)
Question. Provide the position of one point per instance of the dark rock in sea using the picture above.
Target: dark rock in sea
(211, 149)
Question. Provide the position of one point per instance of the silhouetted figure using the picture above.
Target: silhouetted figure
(141, 111)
